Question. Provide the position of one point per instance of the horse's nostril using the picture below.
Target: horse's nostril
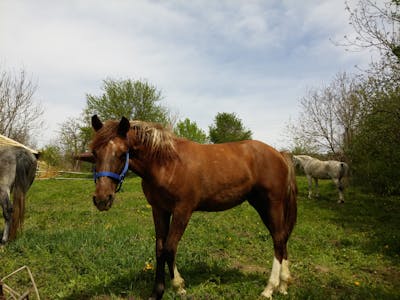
(94, 200)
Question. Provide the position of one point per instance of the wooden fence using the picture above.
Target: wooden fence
(63, 175)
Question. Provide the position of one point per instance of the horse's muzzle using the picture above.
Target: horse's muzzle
(103, 204)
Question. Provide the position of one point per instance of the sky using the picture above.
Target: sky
(256, 59)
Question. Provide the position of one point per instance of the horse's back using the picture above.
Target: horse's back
(17, 163)
(252, 158)
(326, 169)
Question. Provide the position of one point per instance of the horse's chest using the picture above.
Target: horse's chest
(161, 198)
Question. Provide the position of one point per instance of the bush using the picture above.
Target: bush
(375, 153)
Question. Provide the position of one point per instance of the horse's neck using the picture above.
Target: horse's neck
(137, 166)
(146, 167)
(304, 160)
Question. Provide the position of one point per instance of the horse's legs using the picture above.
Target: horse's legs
(341, 190)
(7, 213)
(280, 273)
(180, 219)
(316, 187)
(161, 224)
(309, 179)
(167, 238)
(271, 212)
(340, 187)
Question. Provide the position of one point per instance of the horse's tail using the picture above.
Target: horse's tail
(18, 212)
(343, 170)
(290, 204)
(24, 176)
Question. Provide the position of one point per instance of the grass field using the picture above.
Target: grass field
(348, 251)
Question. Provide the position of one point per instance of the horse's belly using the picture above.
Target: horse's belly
(224, 198)
(321, 175)
(212, 205)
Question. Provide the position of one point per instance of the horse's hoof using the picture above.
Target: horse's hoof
(267, 294)
(283, 288)
(181, 292)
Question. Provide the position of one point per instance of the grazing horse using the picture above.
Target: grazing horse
(17, 172)
(180, 176)
(317, 169)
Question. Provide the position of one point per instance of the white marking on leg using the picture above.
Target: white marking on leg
(178, 282)
(273, 281)
(285, 276)
(6, 232)
(341, 197)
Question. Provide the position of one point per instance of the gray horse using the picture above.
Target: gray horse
(17, 172)
(317, 169)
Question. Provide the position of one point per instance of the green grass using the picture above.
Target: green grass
(348, 251)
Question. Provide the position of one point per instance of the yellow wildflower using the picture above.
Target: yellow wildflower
(148, 266)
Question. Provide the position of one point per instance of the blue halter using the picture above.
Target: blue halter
(120, 178)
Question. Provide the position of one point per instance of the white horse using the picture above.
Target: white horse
(317, 169)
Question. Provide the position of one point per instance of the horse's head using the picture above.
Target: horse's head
(295, 160)
(111, 157)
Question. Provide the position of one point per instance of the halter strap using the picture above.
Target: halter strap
(120, 178)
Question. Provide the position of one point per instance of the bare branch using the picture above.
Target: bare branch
(19, 114)
(376, 26)
(329, 115)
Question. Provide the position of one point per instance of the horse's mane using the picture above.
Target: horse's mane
(304, 156)
(158, 141)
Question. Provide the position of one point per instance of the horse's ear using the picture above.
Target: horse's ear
(96, 123)
(86, 156)
(123, 127)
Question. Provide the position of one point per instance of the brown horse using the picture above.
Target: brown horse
(180, 177)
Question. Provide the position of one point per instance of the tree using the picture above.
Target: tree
(191, 131)
(377, 27)
(74, 138)
(329, 116)
(51, 154)
(71, 137)
(375, 148)
(133, 99)
(19, 114)
(228, 127)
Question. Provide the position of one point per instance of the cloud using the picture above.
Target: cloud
(254, 58)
